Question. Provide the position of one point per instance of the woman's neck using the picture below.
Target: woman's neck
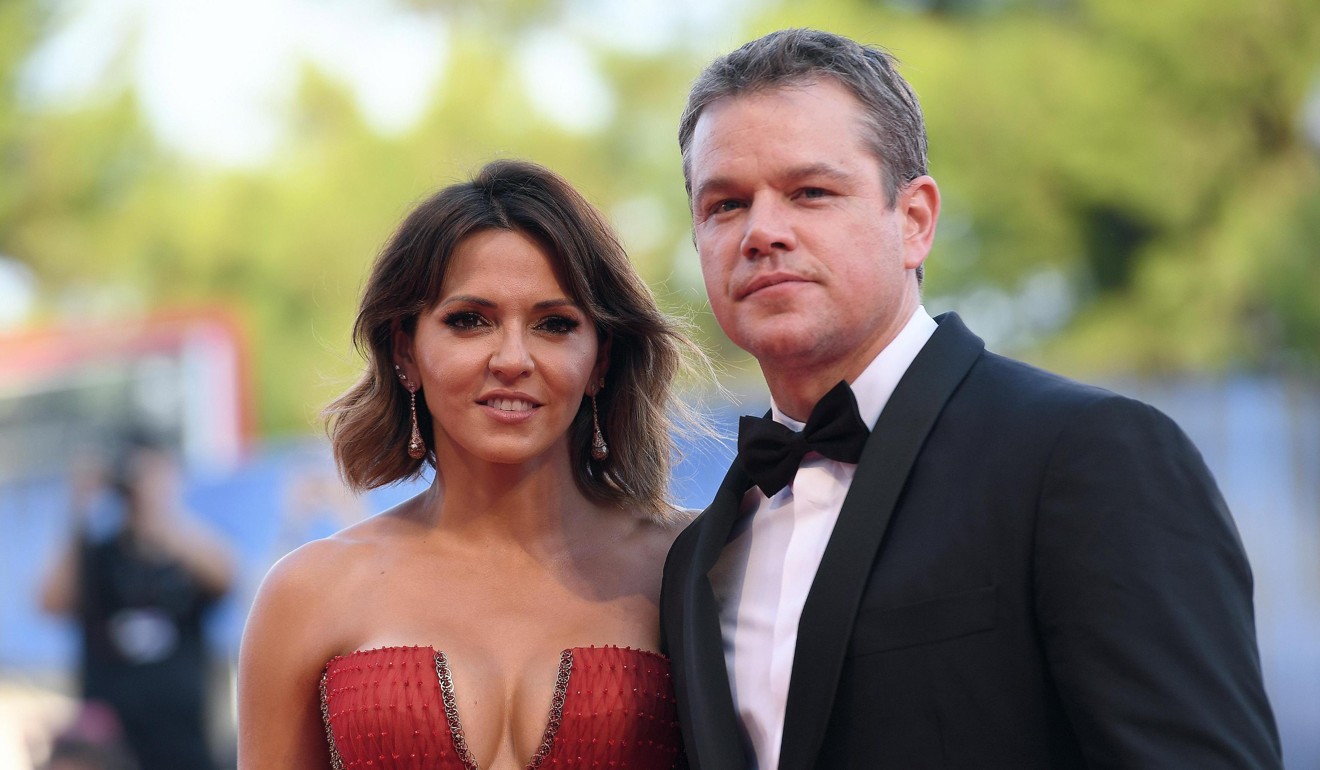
(536, 504)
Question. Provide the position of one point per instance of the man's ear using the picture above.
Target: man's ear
(919, 201)
(403, 357)
(602, 364)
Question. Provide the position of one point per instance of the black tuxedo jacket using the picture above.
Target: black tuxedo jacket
(1026, 573)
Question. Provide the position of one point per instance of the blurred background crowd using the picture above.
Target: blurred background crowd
(190, 195)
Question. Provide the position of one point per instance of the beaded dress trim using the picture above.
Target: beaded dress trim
(556, 710)
(446, 678)
(336, 761)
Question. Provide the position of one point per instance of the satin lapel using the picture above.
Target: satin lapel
(827, 620)
(705, 678)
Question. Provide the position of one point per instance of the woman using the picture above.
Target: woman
(504, 617)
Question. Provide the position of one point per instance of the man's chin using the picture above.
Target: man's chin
(785, 348)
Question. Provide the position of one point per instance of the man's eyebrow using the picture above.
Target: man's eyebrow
(710, 186)
(795, 174)
(810, 170)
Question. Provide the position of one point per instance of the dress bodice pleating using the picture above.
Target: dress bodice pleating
(393, 708)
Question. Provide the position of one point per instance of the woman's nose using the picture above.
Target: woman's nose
(511, 357)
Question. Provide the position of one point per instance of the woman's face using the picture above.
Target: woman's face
(505, 356)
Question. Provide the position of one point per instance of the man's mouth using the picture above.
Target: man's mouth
(766, 281)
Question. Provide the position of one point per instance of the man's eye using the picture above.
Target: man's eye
(558, 324)
(813, 192)
(464, 320)
(726, 205)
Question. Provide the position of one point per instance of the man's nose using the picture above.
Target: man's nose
(768, 229)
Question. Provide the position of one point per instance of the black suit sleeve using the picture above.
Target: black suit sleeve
(1144, 599)
(671, 596)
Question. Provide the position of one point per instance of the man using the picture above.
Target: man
(1011, 570)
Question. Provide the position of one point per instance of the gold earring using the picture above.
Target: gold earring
(416, 447)
(599, 449)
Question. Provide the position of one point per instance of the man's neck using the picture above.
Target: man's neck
(796, 393)
(796, 390)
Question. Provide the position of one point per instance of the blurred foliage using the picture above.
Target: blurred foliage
(1126, 185)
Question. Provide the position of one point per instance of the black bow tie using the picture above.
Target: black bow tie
(771, 452)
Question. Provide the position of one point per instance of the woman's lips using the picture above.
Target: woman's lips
(509, 408)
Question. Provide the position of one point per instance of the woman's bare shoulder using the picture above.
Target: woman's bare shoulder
(312, 598)
(296, 586)
(653, 536)
(332, 562)
(675, 520)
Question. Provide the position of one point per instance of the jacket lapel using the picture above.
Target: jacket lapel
(703, 675)
(825, 629)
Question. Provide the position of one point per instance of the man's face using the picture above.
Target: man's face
(806, 266)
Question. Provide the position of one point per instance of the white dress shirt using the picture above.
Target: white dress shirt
(763, 574)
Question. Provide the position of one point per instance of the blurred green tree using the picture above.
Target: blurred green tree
(1126, 186)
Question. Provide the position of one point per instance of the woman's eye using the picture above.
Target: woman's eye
(558, 324)
(464, 320)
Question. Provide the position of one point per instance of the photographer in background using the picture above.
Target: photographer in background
(138, 585)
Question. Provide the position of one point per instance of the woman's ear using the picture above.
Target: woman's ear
(405, 365)
(602, 365)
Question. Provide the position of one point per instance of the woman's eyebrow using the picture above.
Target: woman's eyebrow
(546, 304)
(472, 299)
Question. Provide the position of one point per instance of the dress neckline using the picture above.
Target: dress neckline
(445, 678)
(579, 648)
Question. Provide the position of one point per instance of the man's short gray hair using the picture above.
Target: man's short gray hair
(795, 57)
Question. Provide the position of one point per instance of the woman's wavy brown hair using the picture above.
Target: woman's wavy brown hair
(369, 425)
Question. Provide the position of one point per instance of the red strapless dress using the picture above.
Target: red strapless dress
(393, 708)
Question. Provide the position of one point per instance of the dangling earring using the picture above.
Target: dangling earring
(599, 450)
(416, 447)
